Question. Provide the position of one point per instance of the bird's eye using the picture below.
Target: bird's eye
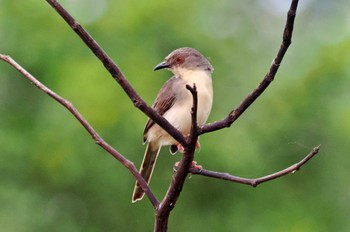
(179, 60)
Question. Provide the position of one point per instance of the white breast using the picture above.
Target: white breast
(179, 115)
(203, 82)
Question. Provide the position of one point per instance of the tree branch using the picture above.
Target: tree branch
(269, 77)
(114, 70)
(69, 106)
(176, 185)
(255, 182)
(194, 128)
(164, 208)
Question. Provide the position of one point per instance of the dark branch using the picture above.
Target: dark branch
(69, 106)
(255, 182)
(194, 128)
(175, 188)
(114, 70)
(269, 77)
(164, 208)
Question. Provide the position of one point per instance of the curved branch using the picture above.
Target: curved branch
(114, 70)
(269, 77)
(255, 182)
(69, 106)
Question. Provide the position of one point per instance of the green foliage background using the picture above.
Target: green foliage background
(54, 178)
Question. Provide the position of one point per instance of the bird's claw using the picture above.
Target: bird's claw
(193, 165)
(181, 149)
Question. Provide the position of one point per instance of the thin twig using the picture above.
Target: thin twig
(255, 182)
(194, 128)
(69, 106)
(269, 77)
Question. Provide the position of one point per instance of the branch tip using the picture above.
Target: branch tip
(255, 182)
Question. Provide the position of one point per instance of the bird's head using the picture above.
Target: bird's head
(185, 58)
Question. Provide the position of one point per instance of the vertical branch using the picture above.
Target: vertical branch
(194, 128)
(176, 185)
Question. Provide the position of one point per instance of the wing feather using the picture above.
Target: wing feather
(164, 100)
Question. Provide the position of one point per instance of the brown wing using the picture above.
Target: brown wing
(164, 100)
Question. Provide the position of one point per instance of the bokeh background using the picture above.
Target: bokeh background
(54, 178)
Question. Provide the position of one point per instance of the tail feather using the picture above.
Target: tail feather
(146, 170)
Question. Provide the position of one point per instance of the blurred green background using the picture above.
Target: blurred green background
(54, 178)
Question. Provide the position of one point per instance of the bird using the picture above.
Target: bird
(174, 102)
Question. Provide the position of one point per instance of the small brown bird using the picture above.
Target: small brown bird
(174, 103)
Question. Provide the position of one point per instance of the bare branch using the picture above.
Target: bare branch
(163, 209)
(114, 70)
(175, 188)
(269, 77)
(69, 106)
(255, 182)
(194, 128)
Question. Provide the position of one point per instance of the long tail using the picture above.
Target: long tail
(146, 170)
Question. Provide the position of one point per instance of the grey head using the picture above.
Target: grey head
(186, 58)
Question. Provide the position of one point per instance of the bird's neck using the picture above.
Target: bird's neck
(201, 78)
(188, 74)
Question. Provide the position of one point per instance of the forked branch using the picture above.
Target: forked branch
(175, 187)
(164, 208)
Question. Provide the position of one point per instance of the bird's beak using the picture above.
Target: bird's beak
(161, 66)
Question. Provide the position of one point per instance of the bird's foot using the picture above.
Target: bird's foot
(193, 165)
(181, 149)
(198, 145)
